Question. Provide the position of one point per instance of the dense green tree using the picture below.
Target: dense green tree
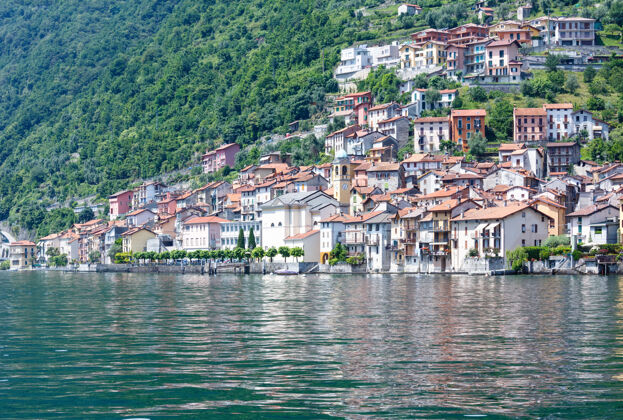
(572, 84)
(85, 215)
(552, 61)
(241, 242)
(251, 242)
(477, 145)
(589, 74)
(258, 253)
(501, 119)
(271, 253)
(297, 252)
(284, 251)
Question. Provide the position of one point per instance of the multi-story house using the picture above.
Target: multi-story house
(566, 31)
(559, 121)
(135, 239)
(378, 240)
(522, 36)
(431, 54)
(581, 219)
(474, 57)
(466, 123)
(421, 102)
(217, 159)
(455, 59)
(202, 233)
(409, 55)
(430, 35)
(530, 125)
(555, 211)
(396, 127)
(467, 33)
(332, 231)
(230, 230)
(386, 176)
(338, 141)
(585, 123)
(496, 230)
(352, 60)
(120, 203)
(140, 217)
(247, 202)
(22, 254)
(561, 155)
(532, 160)
(359, 142)
(147, 193)
(502, 64)
(358, 103)
(429, 132)
(381, 113)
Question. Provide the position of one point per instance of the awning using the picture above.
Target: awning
(480, 227)
(493, 225)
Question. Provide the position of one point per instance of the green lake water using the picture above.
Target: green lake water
(121, 346)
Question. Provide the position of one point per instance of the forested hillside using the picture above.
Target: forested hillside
(97, 94)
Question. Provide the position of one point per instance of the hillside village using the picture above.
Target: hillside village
(439, 207)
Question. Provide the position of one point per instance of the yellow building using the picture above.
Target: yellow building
(408, 55)
(433, 53)
(135, 240)
(342, 173)
(22, 254)
(555, 211)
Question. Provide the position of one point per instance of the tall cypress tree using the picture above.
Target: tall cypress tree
(251, 241)
(240, 239)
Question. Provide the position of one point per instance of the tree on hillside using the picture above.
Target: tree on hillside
(85, 215)
(572, 83)
(501, 119)
(589, 74)
(251, 241)
(477, 93)
(240, 243)
(477, 145)
(552, 62)
(432, 97)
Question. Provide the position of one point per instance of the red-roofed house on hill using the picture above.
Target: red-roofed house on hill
(502, 62)
(466, 123)
(382, 112)
(120, 203)
(409, 9)
(559, 120)
(358, 103)
(338, 140)
(429, 132)
(530, 124)
(397, 127)
(220, 157)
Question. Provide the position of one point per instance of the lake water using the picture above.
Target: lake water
(120, 346)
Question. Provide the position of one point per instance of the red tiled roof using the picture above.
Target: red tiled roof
(206, 219)
(302, 235)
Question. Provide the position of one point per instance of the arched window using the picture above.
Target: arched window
(344, 170)
(272, 225)
(279, 224)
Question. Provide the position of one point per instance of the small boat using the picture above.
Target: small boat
(286, 272)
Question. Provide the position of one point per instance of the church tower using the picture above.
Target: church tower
(342, 174)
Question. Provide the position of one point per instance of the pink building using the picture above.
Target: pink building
(530, 124)
(502, 58)
(455, 61)
(120, 203)
(430, 35)
(168, 205)
(221, 157)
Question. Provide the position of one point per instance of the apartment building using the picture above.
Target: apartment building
(465, 123)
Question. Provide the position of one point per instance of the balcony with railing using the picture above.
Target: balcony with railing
(354, 237)
(372, 240)
(441, 226)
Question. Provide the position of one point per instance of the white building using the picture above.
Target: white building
(289, 215)
(566, 31)
(559, 121)
(140, 217)
(332, 231)
(231, 229)
(382, 112)
(529, 159)
(581, 220)
(584, 120)
(358, 58)
(429, 132)
(420, 102)
(409, 9)
(397, 127)
(378, 241)
(496, 228)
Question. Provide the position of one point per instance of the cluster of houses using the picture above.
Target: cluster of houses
(372, 129)
(474, 53)
(426, 213)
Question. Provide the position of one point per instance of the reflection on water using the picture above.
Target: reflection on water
(122, 345)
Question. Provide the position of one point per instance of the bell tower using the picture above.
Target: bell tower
(341, 178)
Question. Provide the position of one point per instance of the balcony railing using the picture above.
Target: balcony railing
(441, 227)
(372, 240)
